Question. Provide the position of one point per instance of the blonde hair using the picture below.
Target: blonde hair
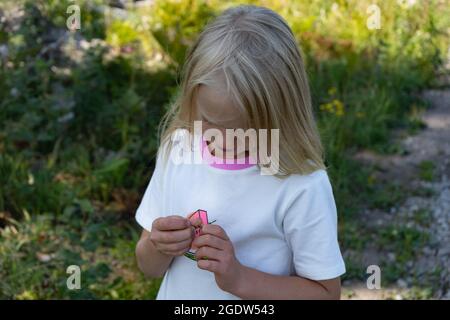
(265, 74)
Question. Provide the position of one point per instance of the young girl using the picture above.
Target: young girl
(261, 236)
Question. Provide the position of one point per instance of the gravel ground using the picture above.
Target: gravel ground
(432, 146)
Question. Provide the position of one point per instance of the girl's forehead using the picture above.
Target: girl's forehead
(217, 105)
(214, 99)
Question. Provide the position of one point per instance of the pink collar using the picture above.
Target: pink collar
(219, 163)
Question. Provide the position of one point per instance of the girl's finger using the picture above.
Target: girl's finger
(210, 253)
(175, 253)
(174, 236)
(215, 230)
(209, 265)
(170, 223)
(196, 222)
(175, 246)
(211, 241)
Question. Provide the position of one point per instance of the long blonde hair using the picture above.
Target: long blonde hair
(265, 74)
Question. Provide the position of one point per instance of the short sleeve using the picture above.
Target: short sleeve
(310, 227)
(151, 206)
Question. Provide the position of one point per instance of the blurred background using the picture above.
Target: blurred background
(79, 110)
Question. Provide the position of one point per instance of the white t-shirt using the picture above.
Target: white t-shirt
(279, 226)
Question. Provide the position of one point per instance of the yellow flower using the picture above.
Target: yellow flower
(371, 179)
(339, 107)
(328, 107)
(335, 106)
(332, 91)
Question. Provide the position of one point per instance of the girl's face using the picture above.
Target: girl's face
(216, 110)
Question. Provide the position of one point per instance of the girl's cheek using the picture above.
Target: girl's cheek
(206, 126)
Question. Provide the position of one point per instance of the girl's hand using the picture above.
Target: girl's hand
(214, 244)
(172, 235)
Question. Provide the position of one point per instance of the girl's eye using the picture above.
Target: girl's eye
(211, 124)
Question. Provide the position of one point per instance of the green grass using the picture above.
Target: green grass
(354, 235)
(423, 217)
(39, 250)
(354, 270)
(386, 195)
(423, 192)
(427, 170)
(405, 242)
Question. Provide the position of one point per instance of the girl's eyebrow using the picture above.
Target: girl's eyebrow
(202, 115)
(221, 124)
(209, 120)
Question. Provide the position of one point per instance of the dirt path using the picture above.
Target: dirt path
(421, 220)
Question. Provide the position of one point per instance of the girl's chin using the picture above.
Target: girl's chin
(225, 150)
(231, 151)
(229, 154)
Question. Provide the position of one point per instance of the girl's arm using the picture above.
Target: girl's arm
(249, 283)
(255, 284)
(150, 261)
